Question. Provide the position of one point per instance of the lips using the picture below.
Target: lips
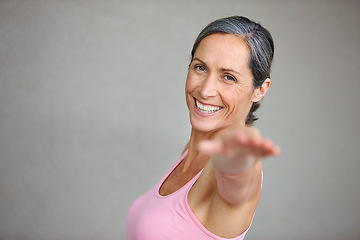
(205, 108)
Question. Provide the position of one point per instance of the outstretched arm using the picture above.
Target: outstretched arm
(235, 156)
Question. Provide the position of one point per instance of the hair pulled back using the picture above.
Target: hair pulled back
(259, 41)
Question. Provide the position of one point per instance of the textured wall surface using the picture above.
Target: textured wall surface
(92, 113)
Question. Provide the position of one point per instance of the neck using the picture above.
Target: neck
(194, 158)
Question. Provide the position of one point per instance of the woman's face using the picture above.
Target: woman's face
(219, 86)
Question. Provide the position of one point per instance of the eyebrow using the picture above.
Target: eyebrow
(222, 69)
(197, 59)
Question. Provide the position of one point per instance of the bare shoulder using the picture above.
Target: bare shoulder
(217, 215)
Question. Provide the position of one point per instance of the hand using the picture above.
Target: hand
(237, 149)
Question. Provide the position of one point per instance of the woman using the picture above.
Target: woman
(214, 188)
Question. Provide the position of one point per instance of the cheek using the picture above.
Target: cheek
(190, 84)
(237, 97)
(233, 95)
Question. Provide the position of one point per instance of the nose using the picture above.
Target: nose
(208, 88)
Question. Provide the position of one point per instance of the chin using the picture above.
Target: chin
(203, 126)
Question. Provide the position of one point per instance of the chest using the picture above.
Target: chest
(175, 181)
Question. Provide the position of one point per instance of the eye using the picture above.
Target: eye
(200, 68)
(230, 78)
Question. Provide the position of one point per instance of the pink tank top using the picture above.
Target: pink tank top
(153, 217)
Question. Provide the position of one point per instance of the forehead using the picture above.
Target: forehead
(227, 50)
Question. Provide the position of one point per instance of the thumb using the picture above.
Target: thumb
(210, 147)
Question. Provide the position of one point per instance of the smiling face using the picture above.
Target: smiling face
(219, 86)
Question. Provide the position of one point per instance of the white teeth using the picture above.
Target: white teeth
(206, 109)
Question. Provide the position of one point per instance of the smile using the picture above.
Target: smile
(206, 108)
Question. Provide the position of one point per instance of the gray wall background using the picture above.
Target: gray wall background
(92, 113)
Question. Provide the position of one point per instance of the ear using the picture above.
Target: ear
(260, 92)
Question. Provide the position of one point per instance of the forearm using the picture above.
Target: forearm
(240, 182)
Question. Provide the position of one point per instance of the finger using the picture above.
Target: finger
(248, 136)
(277, 151)
(269, 148)
(257, 146)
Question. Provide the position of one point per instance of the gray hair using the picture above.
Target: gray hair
(259, 41)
